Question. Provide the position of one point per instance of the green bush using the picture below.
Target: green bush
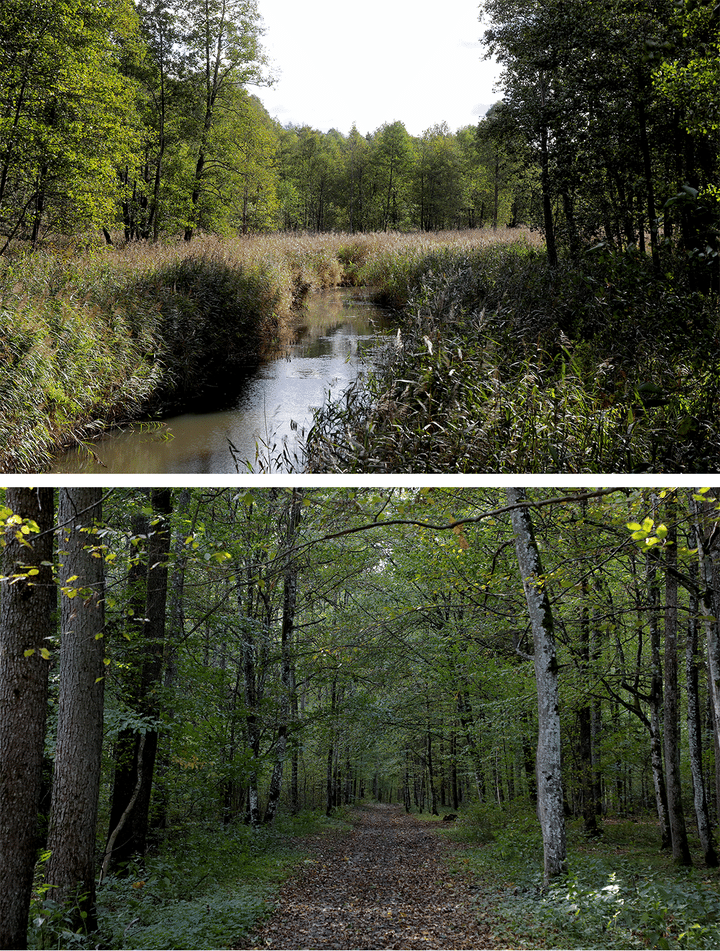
(503, 364)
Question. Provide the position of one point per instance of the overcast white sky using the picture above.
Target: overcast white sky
(375, 61)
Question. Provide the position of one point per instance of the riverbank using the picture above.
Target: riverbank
(103, 336)
(503, 364)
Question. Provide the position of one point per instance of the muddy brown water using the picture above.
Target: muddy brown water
(338, 333)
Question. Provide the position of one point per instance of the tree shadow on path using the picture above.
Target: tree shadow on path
(383, 885)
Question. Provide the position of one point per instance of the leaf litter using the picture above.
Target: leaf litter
(385, 884)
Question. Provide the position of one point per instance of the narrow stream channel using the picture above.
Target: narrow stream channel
(272, 413)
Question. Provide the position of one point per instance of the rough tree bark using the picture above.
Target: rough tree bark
(26, 620)
(548, 765)
(76, 782)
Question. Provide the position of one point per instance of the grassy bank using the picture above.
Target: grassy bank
(100, 336)
(620, 891)
(505, 365)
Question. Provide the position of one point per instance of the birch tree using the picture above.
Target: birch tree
(548, 765)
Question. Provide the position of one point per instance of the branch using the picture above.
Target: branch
(126, 813)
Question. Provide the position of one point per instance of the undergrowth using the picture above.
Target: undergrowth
(620, 891)
(204, 888)
(502, 364)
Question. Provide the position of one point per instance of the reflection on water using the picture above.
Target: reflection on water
(271, 414)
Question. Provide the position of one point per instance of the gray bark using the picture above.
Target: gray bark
(680, 847)
(548, 765)
(76, 782)
(26, 620)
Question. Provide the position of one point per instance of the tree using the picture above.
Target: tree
(67, 119)
(222, 40)
(549, 770)
(27, 623)
(391, 158)
(136, 750)
(70, 871)
(438, 179)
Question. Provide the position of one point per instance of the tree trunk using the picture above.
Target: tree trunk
(680, 847)
(76, 783)
(286, 651)
(154, 639)
(656, 702)
(148, 585)
(125, 752)
(549, 773)
(695, 733)
(27, 610)
(707, 539)
(587, 785)
(331, 752)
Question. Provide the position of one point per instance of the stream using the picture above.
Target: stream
(263, 429)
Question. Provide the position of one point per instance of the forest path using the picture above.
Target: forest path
(383, 885)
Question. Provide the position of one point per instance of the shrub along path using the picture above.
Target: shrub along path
(383, 885)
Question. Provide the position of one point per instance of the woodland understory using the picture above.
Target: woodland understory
(222, 703)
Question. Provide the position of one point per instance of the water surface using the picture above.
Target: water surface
(263, 429)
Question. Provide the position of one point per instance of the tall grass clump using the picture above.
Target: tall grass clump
(502, 364)
(93, 339)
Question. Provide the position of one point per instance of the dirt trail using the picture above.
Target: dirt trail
(383, 885)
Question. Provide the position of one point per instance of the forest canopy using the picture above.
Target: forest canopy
(142, 117)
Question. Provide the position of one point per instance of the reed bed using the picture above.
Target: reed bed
(503, 365)
(97, 336)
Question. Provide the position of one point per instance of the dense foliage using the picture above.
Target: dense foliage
(505, 364)
(268, 651)
(138, 117)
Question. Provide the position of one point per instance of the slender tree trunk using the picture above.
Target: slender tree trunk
(589, 806)
(286, 650)
(549, 772)
(76, 782)
(707, 540)
(680, 847)
(430, 766)
(545, 182)
(649, 187)
(26, 623)
(175, 633)
(125, 752)
(154, 637)
(656, 702)
(702, 815)
(331, 752)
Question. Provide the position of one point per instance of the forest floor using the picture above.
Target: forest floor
(385, 884)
